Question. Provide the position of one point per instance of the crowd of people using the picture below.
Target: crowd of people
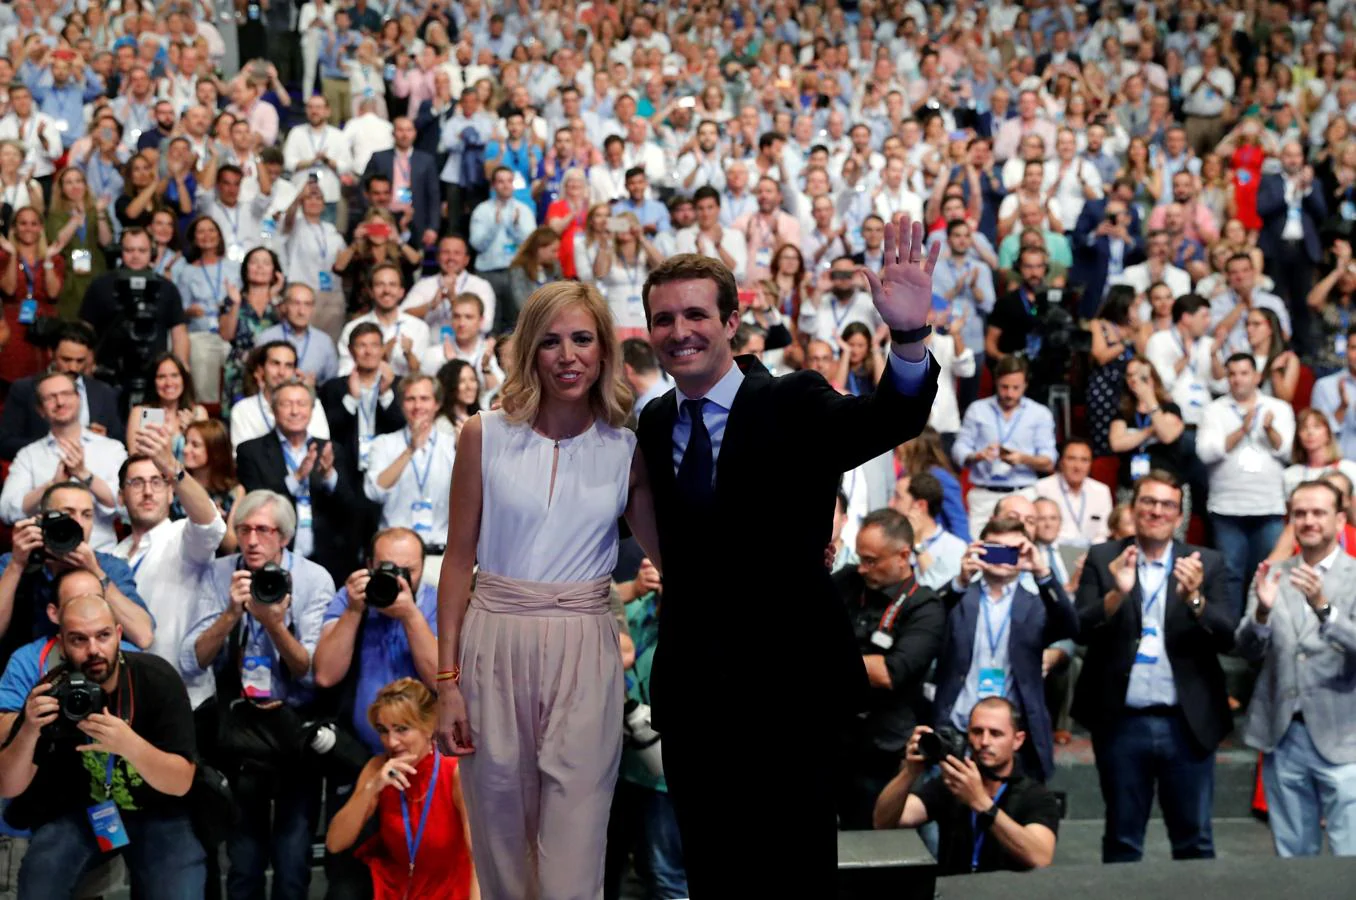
(264, 272)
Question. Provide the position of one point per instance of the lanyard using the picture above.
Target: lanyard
(1162, 588)
(414, 838)
(1082, 503)
(294, 465)
(215, 292)
(317, 148)
(403, 172)
(1003, 437)
(233, 221)
(420, 482)
(28, 276)
(1029, 306)
(838, 319)
(995, 640)
(322, 240)
(367, 417)
(136, 567)
(306, 345)
(887, 621)
(979, 838)
(98, 168)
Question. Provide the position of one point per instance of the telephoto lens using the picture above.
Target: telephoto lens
(270, 583)
(383, 585)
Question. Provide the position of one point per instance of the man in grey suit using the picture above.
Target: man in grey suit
(1301, 625)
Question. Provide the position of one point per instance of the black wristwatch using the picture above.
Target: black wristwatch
(1323, 612)
(984, 821)
(910, 337)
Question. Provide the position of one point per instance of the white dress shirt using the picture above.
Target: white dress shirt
(366, 135)
(426, 479)
(1139, 277)
(1191, 389)
(1247, 480)
(1086, 511)
(168, 566)
(731, 241)
(304, 143)
(405, 326)
(827, 321)
(427, 289)
(36, 464)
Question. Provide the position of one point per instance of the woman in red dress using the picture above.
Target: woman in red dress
(568, 215)
(422, 848)
(30, 280)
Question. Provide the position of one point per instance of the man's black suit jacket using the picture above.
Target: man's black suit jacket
(22, 423)
(1192, 645)
(424, 187)
(260, 464)
(755, 648)
(344, 424)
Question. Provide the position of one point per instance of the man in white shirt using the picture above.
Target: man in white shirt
(318, 150)
(463, 340)
(1245, 439)
(640, 151)
(406, 337)
(937, 553)
(844, 303)
(1157, 267)
(410, 472)
(894, 195)
(367, 133)
(431, 297)
(709, 238)
(1087, 501)
(241, 224)
(272, 365)
(607, 182)
(702, 165)
(1207, 91)
(1334, 395)
(69, 452)
(35, 130)
(1229, 311)
(1069, 181)
(1182, 356)
(168, 558)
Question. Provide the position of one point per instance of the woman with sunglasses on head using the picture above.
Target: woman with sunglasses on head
(172, 394)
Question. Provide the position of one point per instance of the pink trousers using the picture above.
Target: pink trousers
(542, 678)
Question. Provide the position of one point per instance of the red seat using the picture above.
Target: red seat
(985, 382)
(1304, 389)
(1107, 470)
(965, 485)
(6, 533)
(1196, 530)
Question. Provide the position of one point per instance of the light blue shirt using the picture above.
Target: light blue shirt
(1327, 398)
(968, 303)
(300, 490)
(908, 380)
(315, 349)
(648, 212)
(946, 551)
(496, 242)
(205, 286)
(312, 590)
(993, 634)
(1151, 683)
(1031, 430)
(66, 104)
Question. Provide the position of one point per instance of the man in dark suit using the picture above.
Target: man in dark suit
(1154, 615)
(312, 473)
(1059, 55)
(414, 183)
(1102, 248)
(22, 423)
(996, 632)
(711, 452)
(1292, 210)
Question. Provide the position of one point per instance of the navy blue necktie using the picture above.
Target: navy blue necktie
(696, 471)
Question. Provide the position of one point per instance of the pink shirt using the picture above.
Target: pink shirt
(1200, 224)
(263, 119)
(762, 240)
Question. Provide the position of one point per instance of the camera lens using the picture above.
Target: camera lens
(384, 585)
(930, 747)
(270, 584)
(60, 533)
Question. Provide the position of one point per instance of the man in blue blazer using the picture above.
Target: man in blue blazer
(996, 632)
(1292, 210)
(414, 182)
(1105, 241)
(22, 422)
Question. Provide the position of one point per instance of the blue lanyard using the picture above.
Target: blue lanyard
(306, 345)
(1028, 305)
(1082, 503)
(83, 229)
(838, 319)
(293, 465)
(1162, 588)
(97, 164)
(137, 566)
(215, 292)
(322, 240)
(1142, 420)
(324, 139)
(974, 824)
(108, 773)
(28, 277)
(1003, 438)
(367, 418)
(428, 466)
(414, 838)
(995, 640)
(234, 222)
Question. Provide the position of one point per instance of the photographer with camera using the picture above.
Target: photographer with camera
(168, 558)
(69, 452)
(53, 542)
(100, 760)
(256, 625)
(138, 313)
(990, 817)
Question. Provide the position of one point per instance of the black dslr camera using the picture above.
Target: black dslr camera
(935, 746)
(270, 583)
(78, 698)
(383, 585)
(138, 300)
(60, 533)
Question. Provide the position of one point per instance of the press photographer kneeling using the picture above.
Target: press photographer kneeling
(101, 759)
(989, 817)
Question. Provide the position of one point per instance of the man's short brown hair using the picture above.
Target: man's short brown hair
(695, 267)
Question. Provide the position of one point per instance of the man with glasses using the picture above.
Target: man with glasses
(260, 656)
(317, 358)
(270, 365)
(23, 422)
(167, 558)
(69, 452)
(1154, 616)
(845, 303)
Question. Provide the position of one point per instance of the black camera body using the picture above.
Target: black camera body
(935, 746)
(270, 583)
(79, 698)
(134, 334)
(60, 533)
(383, 584)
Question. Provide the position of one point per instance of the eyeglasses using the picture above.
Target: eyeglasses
(1152, 502)
(842, 276)
(155, 483)
(264, 531)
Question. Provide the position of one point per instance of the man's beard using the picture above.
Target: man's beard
(844, 293)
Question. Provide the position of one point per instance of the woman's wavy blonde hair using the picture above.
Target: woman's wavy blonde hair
(610, 395)
(412, 704)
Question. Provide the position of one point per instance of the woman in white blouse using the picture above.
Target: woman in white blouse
(619, 268)
(16, 190)
(311, 247)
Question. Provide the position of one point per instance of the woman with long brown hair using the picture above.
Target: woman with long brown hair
(31, 276)
(536, 263)
(927, 453)
(1147, 428)
(537, 488)
(210, 459)
(172, 393)
(78, 229)
(376, 242)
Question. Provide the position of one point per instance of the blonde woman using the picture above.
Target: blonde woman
(17, 191)
(589, 243)
(78, 229)
(619, 269)
(530, 677)
(426, 856)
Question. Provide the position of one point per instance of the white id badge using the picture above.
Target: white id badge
(303, 512)
(1139, 466)
(268, 227)
(519, 182)
(256, 677)
(421, 517)
(763, 258)
(1150, 645)
(1250, 460)
(235, 253)
(1000, 469)
(882, 640)
(81, 262)
(365, 449)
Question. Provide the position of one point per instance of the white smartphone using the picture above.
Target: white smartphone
(152, 416)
